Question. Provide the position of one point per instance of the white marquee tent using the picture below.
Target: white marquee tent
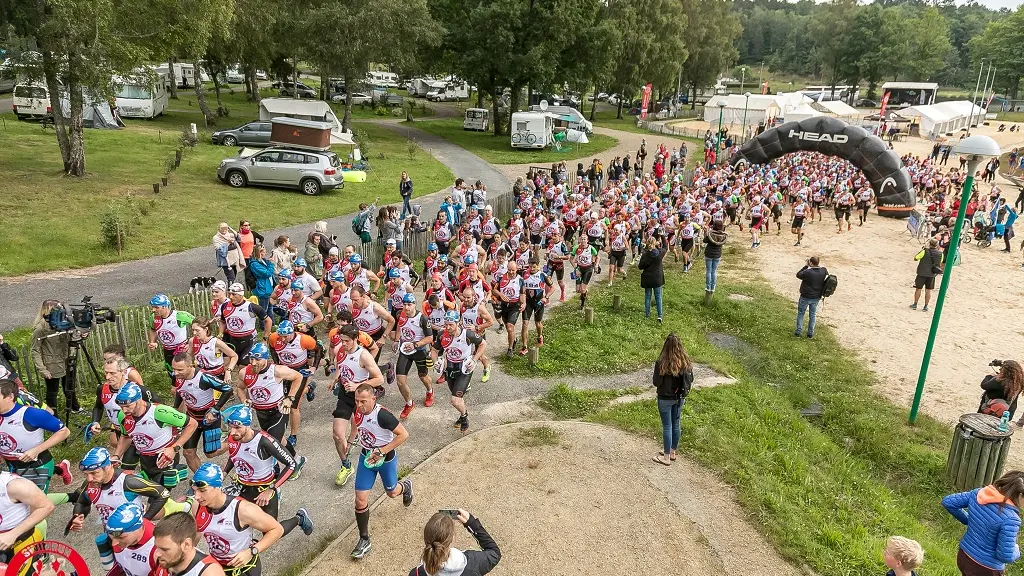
(801, 112)
(840, 109)
(944, 117)
(757, 109)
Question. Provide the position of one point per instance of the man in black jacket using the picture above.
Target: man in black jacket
(929, 260)
(812, 283)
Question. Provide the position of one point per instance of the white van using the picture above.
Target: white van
(387, 79)
(31, 101)
(138, 98)
(477, 119)
(450, 92)
(573, 118)
(532, 129)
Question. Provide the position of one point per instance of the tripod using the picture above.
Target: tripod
(74, 348)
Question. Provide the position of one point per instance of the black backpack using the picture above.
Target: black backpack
(828, 288)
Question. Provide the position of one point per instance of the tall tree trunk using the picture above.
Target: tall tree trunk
(693, 102)
(513, 104)
(324, 87)
(216, 90)
(346, 120)
(253, 84)
(618, 113)
(295, 78)
(593, 106)
(172, 77)
(479, 98)
(76, 137)
(59, 124)
(209, 119)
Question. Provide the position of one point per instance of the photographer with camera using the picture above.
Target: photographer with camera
(441, 558)
(51, 350)
(1002, 389)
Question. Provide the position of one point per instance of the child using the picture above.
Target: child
(902, 556)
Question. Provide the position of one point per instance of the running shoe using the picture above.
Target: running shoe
(362, 548)
(292, 441)
(523, 351)
(305, 522)
(405, 412)
(429, 400)
(487, 375)
(389, 372)
(310, 391)
(510, 353)
(458, 422)
(464, 425)
(299, 463)
(64, 470)
(913, 306)
(925, 309)
(343, 475)
(379, 392)
(500, 328)
(407, 493)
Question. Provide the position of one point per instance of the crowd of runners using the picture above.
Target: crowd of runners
(242, 373)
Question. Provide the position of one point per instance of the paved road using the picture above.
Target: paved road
(135, 282)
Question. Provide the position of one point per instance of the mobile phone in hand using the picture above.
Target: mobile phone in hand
(454, 514)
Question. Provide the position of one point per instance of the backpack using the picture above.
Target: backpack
(358, 222)
(830, 285)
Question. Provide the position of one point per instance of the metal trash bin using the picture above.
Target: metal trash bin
(978, 452)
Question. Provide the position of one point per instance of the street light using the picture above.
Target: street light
(975, 149)
(743, 76)
(721, 111)
(746, 102)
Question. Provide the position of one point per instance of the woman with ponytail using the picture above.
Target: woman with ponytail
(441, 559)
(992, 516)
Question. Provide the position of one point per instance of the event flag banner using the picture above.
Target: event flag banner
(885, 102)
(764, 87)
(646, 102)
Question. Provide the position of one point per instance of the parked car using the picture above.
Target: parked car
(303, 90)
(261, 75)
(31, 101)
(234, 77)
(601, 97)
(613, 100)
(308, 171)
(252, 134)
(866, 103)
(357, 98)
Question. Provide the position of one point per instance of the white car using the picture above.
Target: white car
(234, 77)
(613, 100)
(261, 75)
(357, 98)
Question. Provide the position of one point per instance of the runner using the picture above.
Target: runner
(844, 201)
(396, 289)
(372, 318)
(260, 462)
(380, 434)
(584, 258)
(310, 285)
(170, 328)
(757, 214)
(489, 227)
(864, 201)
(442, 232)
(476, 318)
(537, 288)
(508, 291)
(687, 234)
(558, 254)
(302, 353)
(227, 524)
(797, 215)
(175, 548)
(25, 447)
(107, 488)
(195, 389)
(23, 507)
(239, 319)
(355, 368)
(412, 338)
(359, 276)
(213, 356)
(341, 297)
(131, 534)
(157, 432)
(303, 311)
(117, 351)
(263, 389)
(462, 349)
(618, 235)
(117, 371)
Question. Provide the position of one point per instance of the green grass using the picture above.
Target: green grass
(498, 149)
(1010, 116)
(826, 493)
(539, 436)
(53, 222)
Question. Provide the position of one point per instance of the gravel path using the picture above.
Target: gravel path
(592, 502)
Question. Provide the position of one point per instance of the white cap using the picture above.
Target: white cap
(488, 208)
(333, 250)
(237, 288)
(219, 285)
(593, 214)
(391, 241)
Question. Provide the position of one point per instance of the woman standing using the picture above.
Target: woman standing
(652, 275)
(405, 190)
(714, 241)
(992, 517)
(673, 376)
(263, 270)
(247, 241)
(314, 259)
(1002, 388)
(390, 229)
(283, 254)
(440, 558)
(226, 252)
(50, 352)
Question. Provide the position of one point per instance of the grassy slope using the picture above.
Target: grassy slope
(497, 150)
(53, 221)
(826, 492)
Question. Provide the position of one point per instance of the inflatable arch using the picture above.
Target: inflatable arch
(880, 165)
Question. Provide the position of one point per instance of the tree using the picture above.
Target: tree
(832, 48)
(652, 44)
(929, 44)
(711, 32)
(1001, 43)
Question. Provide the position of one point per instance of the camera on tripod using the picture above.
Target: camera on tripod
(79, 316)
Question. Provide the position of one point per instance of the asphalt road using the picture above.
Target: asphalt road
(135, 282)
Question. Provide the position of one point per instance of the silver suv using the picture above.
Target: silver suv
(307, 170)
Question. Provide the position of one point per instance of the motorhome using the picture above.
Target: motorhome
(31, 100)
(573, 118)
(532, 129)
(423, 86)
(389, 79)
(450, 92)
(477, 119)
(140, 97)
(184, 74)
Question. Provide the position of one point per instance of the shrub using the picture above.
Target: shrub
(381, 111)
(120, 222)
(187, 138)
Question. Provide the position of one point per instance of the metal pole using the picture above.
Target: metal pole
(965, 196)
(743, 77)
(746, 103)
(977, 84)
(760, 79)
(989, 86)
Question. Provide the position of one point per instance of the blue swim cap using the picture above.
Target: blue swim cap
(432, 246)
(125, 518)
(451, 316)
(285, 328)
(298, 284)
(355, 259)
(208, 474)
(129, 393)
(259, 351)
(394, 273)
(336, 276)
(238, 415)
(409, 298)
(299, 262)
(95, 459)
(160, 300)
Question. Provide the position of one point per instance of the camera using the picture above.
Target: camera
(79, 316)
(996, 363)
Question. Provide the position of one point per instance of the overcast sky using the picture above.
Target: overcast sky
(997, 4)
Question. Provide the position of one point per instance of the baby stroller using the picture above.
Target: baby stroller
(983, 234)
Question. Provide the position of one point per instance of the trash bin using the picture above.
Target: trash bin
(978, 453)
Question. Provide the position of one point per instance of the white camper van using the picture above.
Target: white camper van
(31, 100)
(573, 118)
(184, 73)
(450, 92)
(387, 79)
(532, 129)
(139, 98)
(477, 119)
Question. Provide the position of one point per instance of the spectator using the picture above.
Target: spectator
(992, 517)
(441, 559)
(405, 191)
(902, 556)
(1001, 390)
(929, 262)
(366, 216)
(458, 200)
(714, 240)
(673, 376)
(283, 254)
(226, 251)
(327, 240)
(247, 239)
(314, 260)
(390, 229)
(812, 283)
(652, 275)
(263, 271)
(50, 351)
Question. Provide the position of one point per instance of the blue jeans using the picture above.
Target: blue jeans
(669, 410)
(647, 300)
(802, 307)
(406, 206)
(711, 273)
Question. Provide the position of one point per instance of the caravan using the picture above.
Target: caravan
(139, 97)
(532, 129)
(184, 74)
(573, 118)
(387, 79)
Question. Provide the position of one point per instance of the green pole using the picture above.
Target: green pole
(965, 196)
(721, 141)
(744, 127)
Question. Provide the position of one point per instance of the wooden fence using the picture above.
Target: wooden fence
(131, 330)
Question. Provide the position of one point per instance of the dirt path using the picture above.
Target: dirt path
(556, 509)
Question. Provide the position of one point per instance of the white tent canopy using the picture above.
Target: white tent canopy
(801, 112)
(305, 110)
(757, 109)
(840, 109)
(945, 117)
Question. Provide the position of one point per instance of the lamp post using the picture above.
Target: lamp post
(975, 149)
(743, 77)
(970, 119)
(746, 102)
(721, 110)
